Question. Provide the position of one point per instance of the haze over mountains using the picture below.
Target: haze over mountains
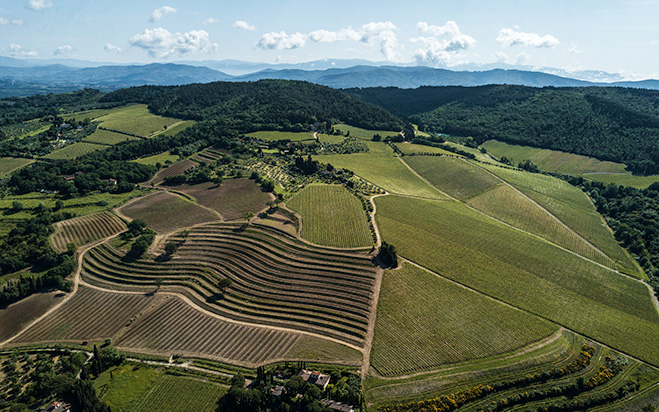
(26, 77)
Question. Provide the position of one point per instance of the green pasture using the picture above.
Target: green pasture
(331, 216)
(528, 273)
(411, 148)
(159, 158)
(363, 133)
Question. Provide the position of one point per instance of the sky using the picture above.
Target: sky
(613, 36)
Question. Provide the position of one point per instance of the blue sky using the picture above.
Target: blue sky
(614, 36)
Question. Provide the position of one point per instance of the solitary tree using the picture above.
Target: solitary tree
(224, 283)
(249, 216)
(158, 283)
(170, 248)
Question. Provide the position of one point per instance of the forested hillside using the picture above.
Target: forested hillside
(615, 124)
(263, 105)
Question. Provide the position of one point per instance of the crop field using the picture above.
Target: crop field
(208, 155)
(175, 327)
(313, 348)
(331, 216)
(88, 316)
(572, 207)
(165, 212)
(177, 127)
(639, 182)
(330, 138)
(159, 158)
(384, 170)
(175, 169)
(552, 160)
(425, 322)
(85, 229)
(232, 199)
(410, 148)
(107, 137)
(135, 120)
(363, 133)
(24, 129)
(272, 136)
(87, 114)
(174, 394)
(276, 279)
(455, 177)
(9, 164)
(18, 315)
(523, 271)
(75, 150)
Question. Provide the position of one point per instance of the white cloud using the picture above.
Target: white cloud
(17, 50)
(381, 33)
(326, 36)
(510, 37)
(161, 43)
(112, 48)
(242, 24)
(500, 57)
(39, 4)
(574, 49)
(442, 44)
(63, 50)
(281, 41)
(210, 20)
(522, 58)
(6, 22)
(161, 12)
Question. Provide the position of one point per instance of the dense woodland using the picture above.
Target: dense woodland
(615, 124)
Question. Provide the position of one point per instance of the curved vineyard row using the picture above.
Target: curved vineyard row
(176, 327)
(176, 169)
(276, 279)
(85, 229)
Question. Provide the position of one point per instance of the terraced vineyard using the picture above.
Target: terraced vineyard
(277, 279)
(176, 169)
(425, 322)
(85, 229)
(325, 210)
(536, 277)
(208, 155)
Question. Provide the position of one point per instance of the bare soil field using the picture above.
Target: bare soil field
(176, 169)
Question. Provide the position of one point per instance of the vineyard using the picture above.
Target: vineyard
(272, 136)
(19, 314)
(537, 277)
(9, 164)
(425, 322)
(85, 229)
(276, 279)
(165, 212)
(134, 120)
(331, 216)
(231, 199)
(107, 137)
(172, 394)
(175, 169)
(24, 129)
(410, 148)
(208, 155)
(363, 133)
(75, 150)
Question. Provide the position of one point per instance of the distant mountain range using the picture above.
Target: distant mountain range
(25, 77)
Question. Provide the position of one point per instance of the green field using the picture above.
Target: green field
(552, 160)
(364, 133)
(425, 321)
(87, 114)
(380, 167)
(135, 119)
(322, 350)
(172, 130)
(273, 136)
(75, 150)
(410, 148)
(516, 268)
(107, 137)
(573, 207)
(639, 182)
(9, 164)
(159, 158)
(331, 216)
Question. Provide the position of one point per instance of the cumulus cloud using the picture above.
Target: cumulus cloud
(39, 4)
(161, 43)
(281, 41)
(112, 48)
(17, 50)
(242, 24)
(63, 50)
(510, 37)
(522, 58)
(6, 22)
(161, 12)
(381, 33)
(500, 57)
(441, 43)
(210, 20)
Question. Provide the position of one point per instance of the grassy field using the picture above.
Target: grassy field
(572, 207)
(271, 136)
(135, 119)
(425, 322)
(9, 164)
(380, 167)
(178, 127)
(363, 133)
(85, 229)
(143, 388)
(321, 350)
(331, 216)
(232, 199)
(639, 182)
(107, 137)
(520, 270)
(75, 150)
(552, 160)
(165, 212)
(159, 158)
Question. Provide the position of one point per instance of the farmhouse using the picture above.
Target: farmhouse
(315, 377)
(337, 406)
(58, 407)
(277, 391)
